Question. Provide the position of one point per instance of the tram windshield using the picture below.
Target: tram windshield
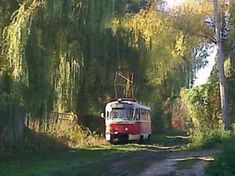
(120, 113)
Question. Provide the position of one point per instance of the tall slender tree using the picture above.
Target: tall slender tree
(220, 67)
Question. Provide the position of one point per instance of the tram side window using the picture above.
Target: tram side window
(107, 114)
(148, 115)
(143, 114)
(137, 114)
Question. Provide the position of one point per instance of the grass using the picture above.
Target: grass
(224, 162)
(171, 140)
(186, 164)
(43, 164)
(69, 161)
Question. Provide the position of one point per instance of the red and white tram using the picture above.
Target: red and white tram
(127, 120)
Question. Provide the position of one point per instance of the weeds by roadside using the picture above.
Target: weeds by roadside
(224, 163)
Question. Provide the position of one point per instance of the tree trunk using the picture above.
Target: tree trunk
(233, 57)
(220, 67)
(13, 133)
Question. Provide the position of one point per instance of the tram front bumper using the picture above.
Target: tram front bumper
(117, 137)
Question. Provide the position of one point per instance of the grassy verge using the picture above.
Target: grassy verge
(42, 164)
(73, 162)
(224, 163)
(176, 141)
(48, 162)
(185, 164)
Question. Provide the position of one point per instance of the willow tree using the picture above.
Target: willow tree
(65, 53)
(13, 67)
(162, 51)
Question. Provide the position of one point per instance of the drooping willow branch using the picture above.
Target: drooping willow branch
(16, 36)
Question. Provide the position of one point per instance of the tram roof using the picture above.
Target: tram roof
(129, 102)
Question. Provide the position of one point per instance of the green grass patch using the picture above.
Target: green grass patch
(224, 162)
(43, 164)
(70, 161)
(210, 139)
(185, 164)
(171, 140)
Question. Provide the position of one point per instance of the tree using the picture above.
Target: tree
(220, 67)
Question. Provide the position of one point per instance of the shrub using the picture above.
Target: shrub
(200, 110)
(224, 163)
(11, 111)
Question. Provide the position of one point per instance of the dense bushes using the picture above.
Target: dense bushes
(225, 162)
(11, 111)
(199, 110)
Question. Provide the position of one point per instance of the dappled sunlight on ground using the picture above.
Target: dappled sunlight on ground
(203, 158)
(180, 163)
(162, 155)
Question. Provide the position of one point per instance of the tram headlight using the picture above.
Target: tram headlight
(110, 129)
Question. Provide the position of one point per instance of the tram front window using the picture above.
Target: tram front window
(121, 114)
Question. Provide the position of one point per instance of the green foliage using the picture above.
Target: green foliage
(11, 111)
(6, 10)
(58, 129)
(203, 119)
(185, 164)
(65, 53)
(7, 101)
(231, 98)
(10, 100)
(16, 35)
(168, 65)
(210, 139)
(224, 162)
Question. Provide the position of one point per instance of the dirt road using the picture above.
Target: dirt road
(162, 163)
(180, 163)
(149, 161)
